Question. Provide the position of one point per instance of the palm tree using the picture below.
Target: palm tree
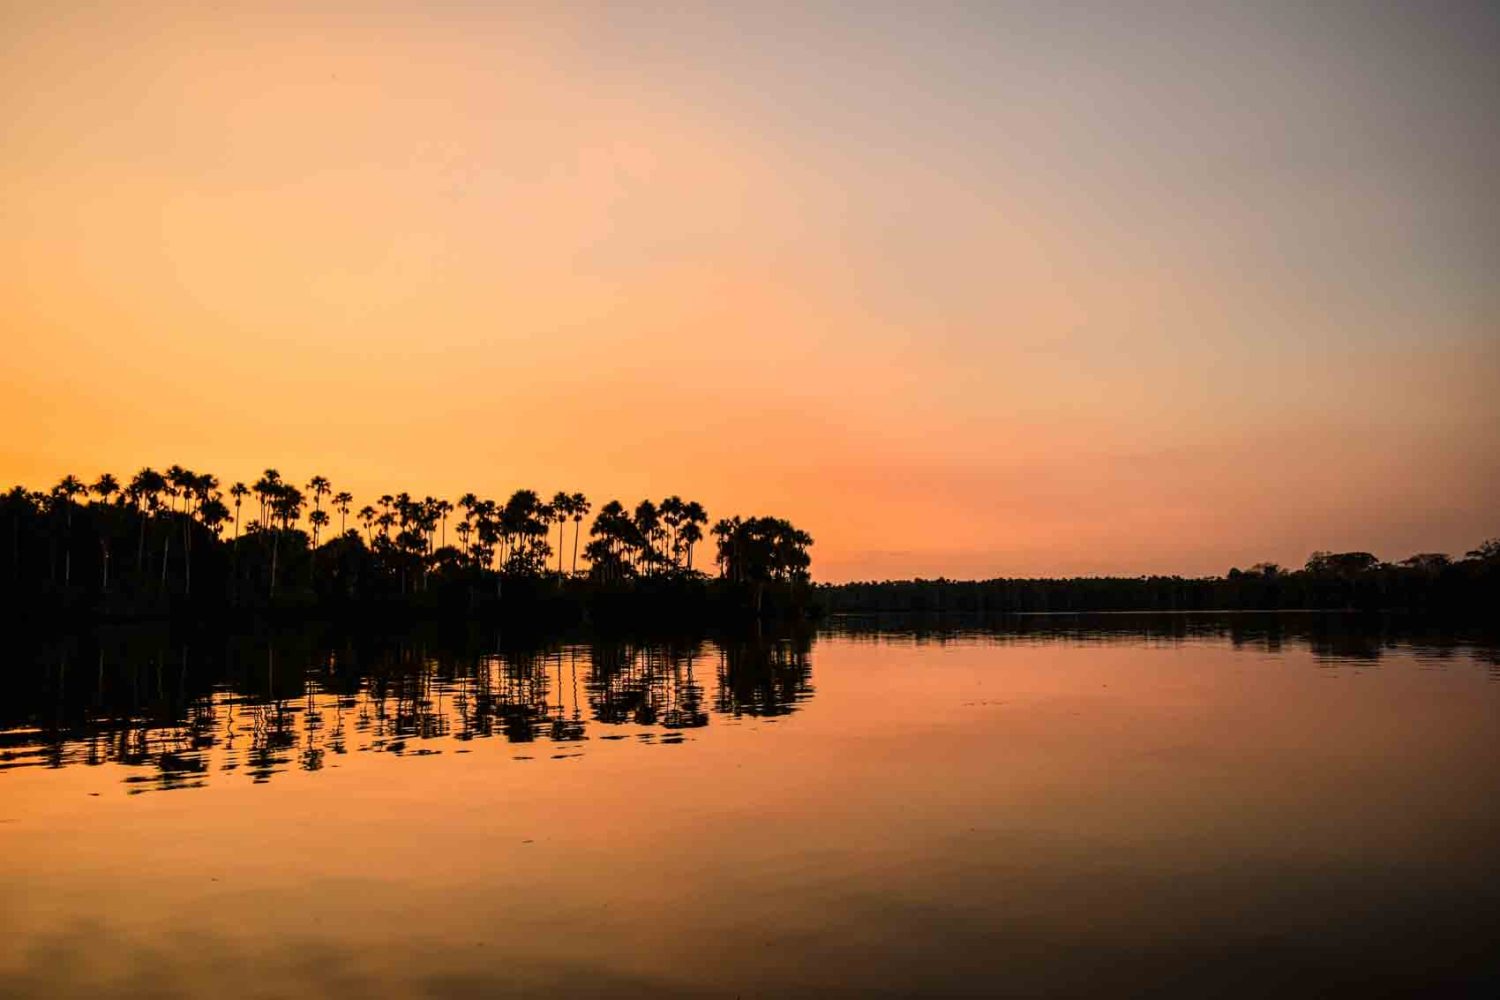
(579, 505)
(179, 482)
(145, 487)
(693, 519)
(265, 488)
(342, 500)
(469, 503)
(725, 530)
(319, 487)
(202, 490)
(238, 491)
(179, 479)
(287, 507)
(671, 515)
(317, 519)
(443, 509)
(367, 518)
(66, 490)
(105, 486)
(562, 509)
(213, 513)
(647, 522)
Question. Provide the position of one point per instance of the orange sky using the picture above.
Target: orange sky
(987, 292)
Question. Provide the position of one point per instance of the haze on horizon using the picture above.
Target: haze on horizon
(1002, 289)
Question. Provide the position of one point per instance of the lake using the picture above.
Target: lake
(1059, 805)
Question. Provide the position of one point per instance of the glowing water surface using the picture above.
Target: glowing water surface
(1059, 806)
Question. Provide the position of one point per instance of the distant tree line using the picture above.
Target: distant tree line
(1428, 583)
(164, 539)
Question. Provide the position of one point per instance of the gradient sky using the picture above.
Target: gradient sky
(1001, 289)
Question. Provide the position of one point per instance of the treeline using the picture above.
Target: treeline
(175, 539)
(1428, 583)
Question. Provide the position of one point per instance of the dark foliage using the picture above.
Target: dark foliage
(1429, 583)
(169, 542)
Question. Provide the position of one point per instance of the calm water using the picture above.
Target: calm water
(1102, 806)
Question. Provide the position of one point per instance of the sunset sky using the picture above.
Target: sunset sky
(1001, 289)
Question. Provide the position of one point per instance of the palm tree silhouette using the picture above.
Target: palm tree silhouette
(443, 508)
(694, 517)
(317, 519)
(562, 509)
(65, 491)
(319, 487)
(579, 505)
(367, 518)
(265, 488)
(105, 487)
(238, 491)
(145, 487)
(342, 500)
(497, 542)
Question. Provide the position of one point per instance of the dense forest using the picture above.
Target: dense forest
(169, 541)
(1429, 583)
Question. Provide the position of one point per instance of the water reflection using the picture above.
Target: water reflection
(184, 708)
(1330, 637)
(1050, 806)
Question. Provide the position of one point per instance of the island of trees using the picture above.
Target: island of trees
(161, 543)
(1429, 583)
(176, 540)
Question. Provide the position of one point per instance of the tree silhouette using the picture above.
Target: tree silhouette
(342, 501)
(562, 509)
(65, 492)
(286, 553)
(105, 487)
(318, 519)
(578, 504)
(238, 491)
